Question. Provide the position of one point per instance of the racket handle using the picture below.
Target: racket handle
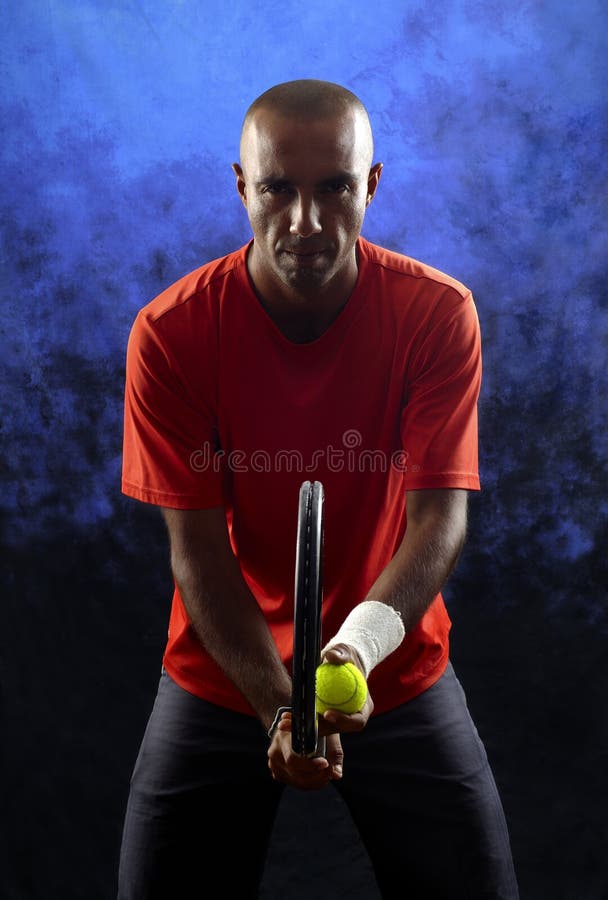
(321, 745)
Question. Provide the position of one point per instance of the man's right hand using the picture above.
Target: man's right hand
(304, 773)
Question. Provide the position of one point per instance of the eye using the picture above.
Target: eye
(278, 187)
(337, 187)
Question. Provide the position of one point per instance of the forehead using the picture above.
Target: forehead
(291, 147)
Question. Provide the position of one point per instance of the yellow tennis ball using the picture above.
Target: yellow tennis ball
(341, 687)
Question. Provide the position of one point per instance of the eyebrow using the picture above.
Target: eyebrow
(279, 179)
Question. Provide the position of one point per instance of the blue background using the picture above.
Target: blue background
(120, 121)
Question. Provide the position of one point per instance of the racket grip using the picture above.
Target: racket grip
(321, 746)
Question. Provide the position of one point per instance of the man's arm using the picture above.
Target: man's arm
(223, 611)
(231, 626)
(435, 535)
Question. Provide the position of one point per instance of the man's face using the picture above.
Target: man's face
(306, 186)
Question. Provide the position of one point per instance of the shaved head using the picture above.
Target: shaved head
(310, 100)
(306, 179)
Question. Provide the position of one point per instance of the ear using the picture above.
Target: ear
(372, 182)
(240, 182)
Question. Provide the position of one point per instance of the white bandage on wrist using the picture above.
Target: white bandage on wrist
(373, 629)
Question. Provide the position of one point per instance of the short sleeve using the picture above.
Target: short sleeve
(170, 453)
(439, 418)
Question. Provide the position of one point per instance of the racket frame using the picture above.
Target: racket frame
(308, 602)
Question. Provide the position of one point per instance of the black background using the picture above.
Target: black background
(77, 691)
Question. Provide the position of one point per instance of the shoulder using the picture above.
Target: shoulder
(420, 304)
(183, 319)
(197, 289)
(397, 270)
(414, 296)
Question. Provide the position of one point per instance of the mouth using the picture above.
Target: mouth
(305, 256)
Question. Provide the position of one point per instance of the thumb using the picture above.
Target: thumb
(337, 654)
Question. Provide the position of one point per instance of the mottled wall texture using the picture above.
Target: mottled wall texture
(119, 123)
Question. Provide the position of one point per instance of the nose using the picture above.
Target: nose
(305, 217)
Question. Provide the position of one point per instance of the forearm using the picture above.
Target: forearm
(230, 625)
(427, 555)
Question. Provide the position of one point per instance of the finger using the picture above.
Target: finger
(305, 764)
(280, 758)
(311, 779)
(334, 720)
(337, 722)
(337, 655)
(335, 756)
(343, 653)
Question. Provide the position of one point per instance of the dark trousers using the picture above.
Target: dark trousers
(416, 780)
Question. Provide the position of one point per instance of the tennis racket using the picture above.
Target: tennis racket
(308, 599)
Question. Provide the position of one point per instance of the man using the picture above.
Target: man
(309, 354)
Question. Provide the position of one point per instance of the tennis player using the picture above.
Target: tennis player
(309, 353)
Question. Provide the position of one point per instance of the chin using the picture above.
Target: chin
(306, 280)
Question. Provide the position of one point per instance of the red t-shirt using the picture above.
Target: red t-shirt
(222, 409)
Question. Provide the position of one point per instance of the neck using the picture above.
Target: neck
(302, 315)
